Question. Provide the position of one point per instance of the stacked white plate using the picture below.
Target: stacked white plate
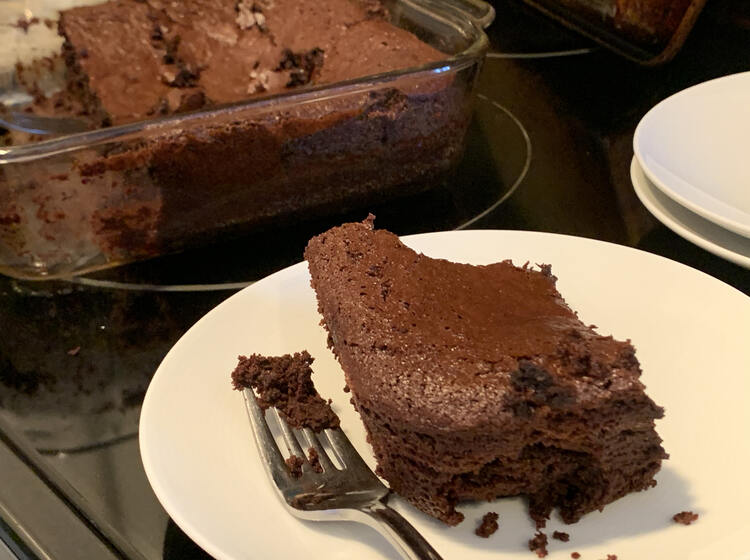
(691, 167)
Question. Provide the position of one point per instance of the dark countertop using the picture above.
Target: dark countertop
(549, 150)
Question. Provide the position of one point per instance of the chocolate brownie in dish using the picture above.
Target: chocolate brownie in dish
(183, 183)
(477, 382)
(132, 59)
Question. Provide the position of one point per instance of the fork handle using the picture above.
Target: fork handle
(399, 532)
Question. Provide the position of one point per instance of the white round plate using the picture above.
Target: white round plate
(691, 335)
(694, 146)
(688, 225)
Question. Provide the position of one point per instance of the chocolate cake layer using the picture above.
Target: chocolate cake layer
(475, 382)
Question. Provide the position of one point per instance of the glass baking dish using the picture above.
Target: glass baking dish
(93, 200)
(649, 32)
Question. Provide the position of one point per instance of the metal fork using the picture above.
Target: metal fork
(352, 493)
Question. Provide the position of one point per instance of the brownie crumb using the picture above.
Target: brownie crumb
(561, 536)
(285, 383)
(488, 526)
(575, 555)
(314, 458)
(685, 517)
(539, 544)
(294, 464)
(611, 556)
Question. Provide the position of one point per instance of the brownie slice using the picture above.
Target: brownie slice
(476, 382)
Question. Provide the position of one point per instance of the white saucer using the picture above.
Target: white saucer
(704, 233)
(694, 147)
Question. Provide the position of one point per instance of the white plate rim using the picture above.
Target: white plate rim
(688, 225)
(720, 212)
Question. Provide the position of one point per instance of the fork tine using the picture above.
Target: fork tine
(269, 451)
(292, 445)
(354, 493)
(323, 458)
(347, 455)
